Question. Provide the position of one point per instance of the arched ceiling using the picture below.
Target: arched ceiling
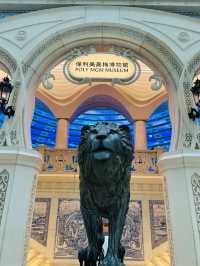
(139, 92)
(63, 91)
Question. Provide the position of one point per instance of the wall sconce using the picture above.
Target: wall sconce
(5, 91)
(195, 113)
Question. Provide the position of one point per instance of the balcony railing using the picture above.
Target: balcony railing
(65, 160)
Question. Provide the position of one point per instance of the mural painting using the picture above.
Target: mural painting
(158, 222)
(71, 235)
(70, 231)
(40, 220)
(132, 238)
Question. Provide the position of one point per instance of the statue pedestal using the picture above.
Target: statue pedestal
(182, 189)
(18, 180)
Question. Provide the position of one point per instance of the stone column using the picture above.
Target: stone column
(182, 187)
(61, 133)
(140, 135)
(18, 180)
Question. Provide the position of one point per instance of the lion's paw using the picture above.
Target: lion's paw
(111, 261)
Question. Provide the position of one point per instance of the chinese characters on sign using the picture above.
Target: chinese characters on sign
(101, 66)
(82, 66)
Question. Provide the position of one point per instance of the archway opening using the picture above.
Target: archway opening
(66, 104)
(76, 104)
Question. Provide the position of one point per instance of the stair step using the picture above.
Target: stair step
(158, 261)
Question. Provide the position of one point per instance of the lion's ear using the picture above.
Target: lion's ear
(125, 129)
(85, 129)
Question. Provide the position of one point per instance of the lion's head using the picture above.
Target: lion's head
(105, 144)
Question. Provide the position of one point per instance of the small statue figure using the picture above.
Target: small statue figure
(105, 155)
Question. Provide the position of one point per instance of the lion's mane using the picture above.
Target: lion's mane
(85, 154)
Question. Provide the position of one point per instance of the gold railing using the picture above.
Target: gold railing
(65, 160)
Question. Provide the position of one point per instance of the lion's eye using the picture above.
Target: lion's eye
(94, 131)
(112, 131)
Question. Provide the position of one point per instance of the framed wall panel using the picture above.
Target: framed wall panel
(40, 220)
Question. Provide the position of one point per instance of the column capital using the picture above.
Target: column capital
(138, 120)
(22, 157)
(64, 118)
(175, 160)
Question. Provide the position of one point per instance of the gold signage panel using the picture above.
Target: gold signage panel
(100, 66)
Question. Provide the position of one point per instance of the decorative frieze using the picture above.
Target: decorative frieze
(4, 179)
(170, 59)
(44, 46)
(8, 61)
(196, 197)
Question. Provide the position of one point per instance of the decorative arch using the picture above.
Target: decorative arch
(149, 48)
(82, 28)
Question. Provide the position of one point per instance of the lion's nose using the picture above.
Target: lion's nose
(101, 136)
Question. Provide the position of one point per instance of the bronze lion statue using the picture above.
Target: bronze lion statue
(105, 155)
